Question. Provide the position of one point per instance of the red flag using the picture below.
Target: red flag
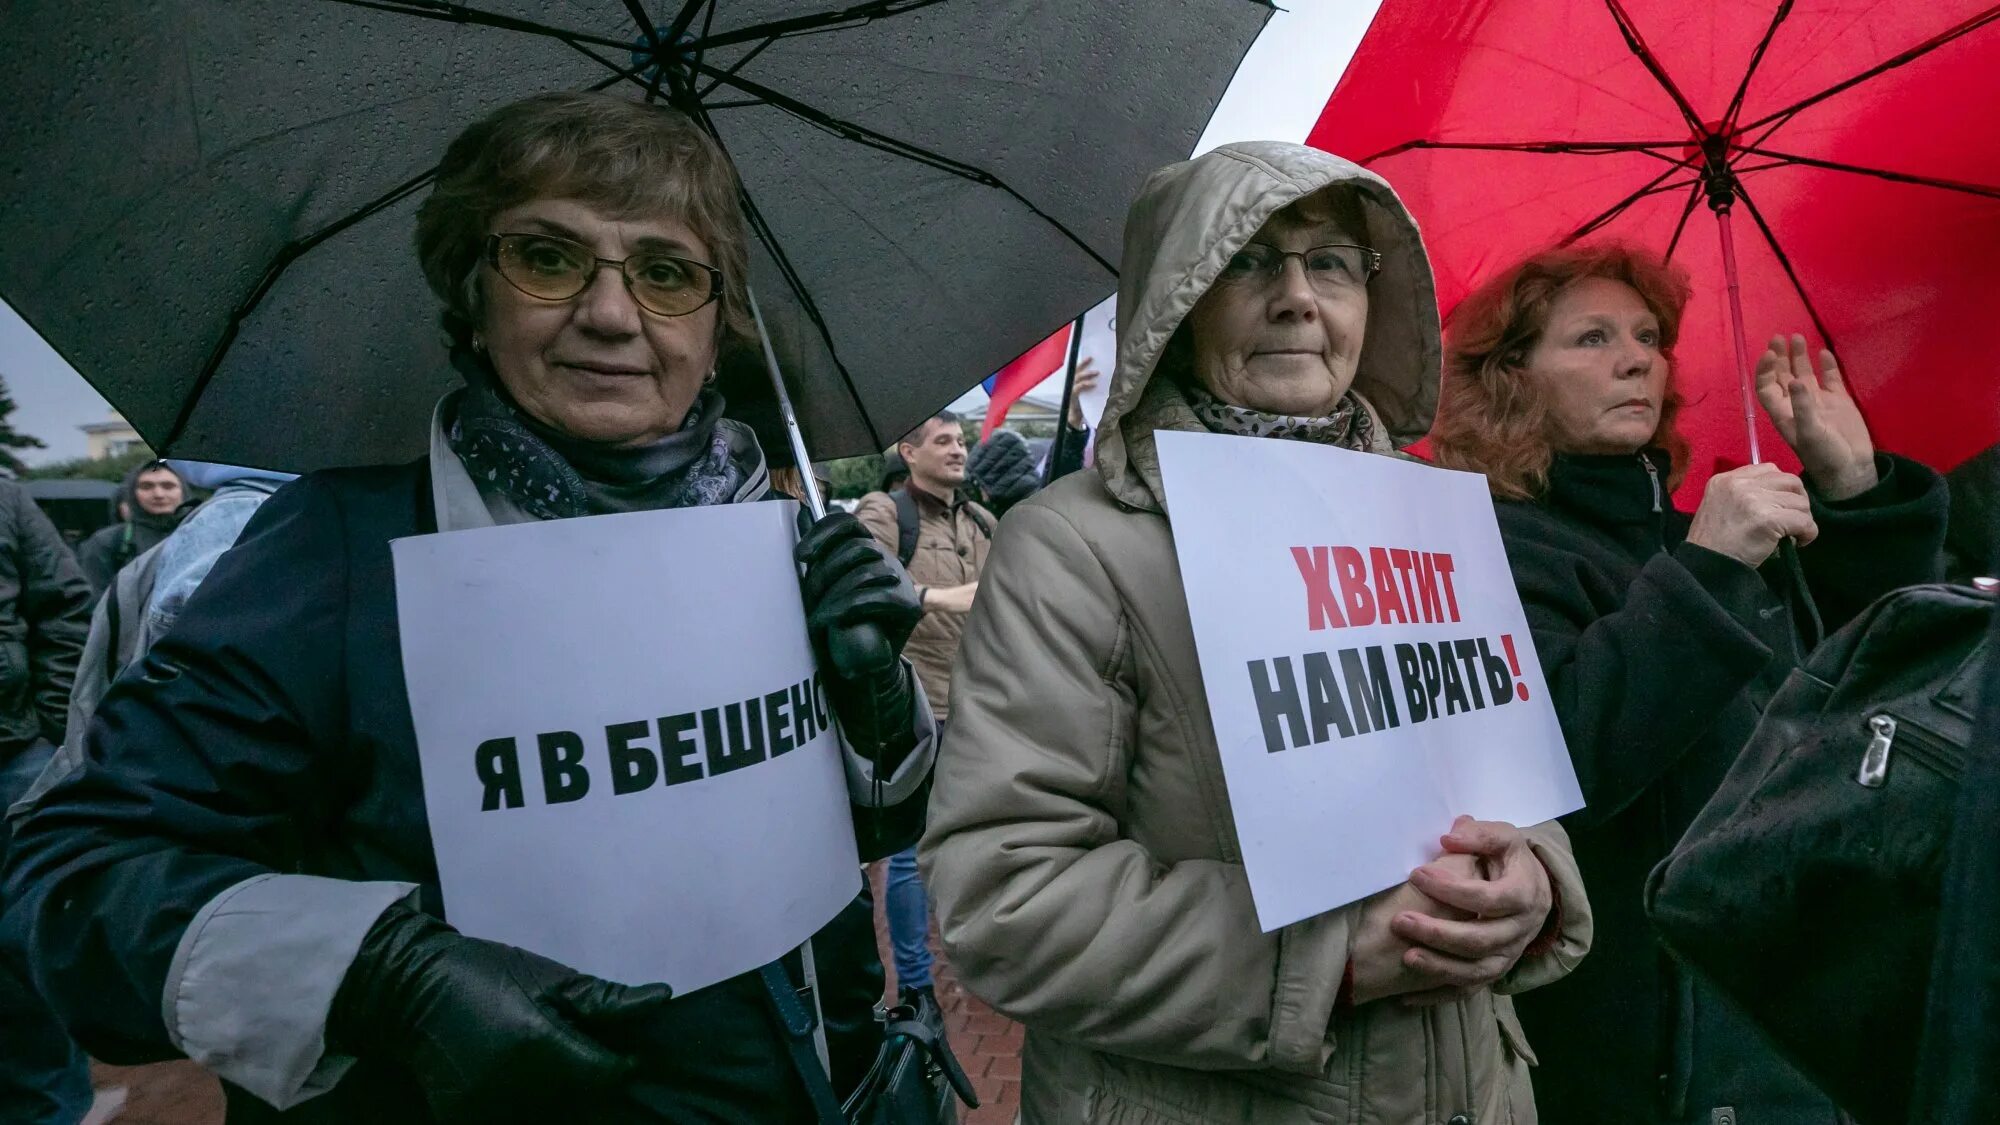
(1022, 375)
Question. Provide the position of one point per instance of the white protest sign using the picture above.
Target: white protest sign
(626, 753)
(1365, 659)
(1099, 347)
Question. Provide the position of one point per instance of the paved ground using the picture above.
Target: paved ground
(987, 1045)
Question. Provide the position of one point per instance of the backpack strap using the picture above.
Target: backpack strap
(980, 519)
(906, 525)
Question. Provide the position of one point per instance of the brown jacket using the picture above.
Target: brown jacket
(951, 551)
(1082, 855)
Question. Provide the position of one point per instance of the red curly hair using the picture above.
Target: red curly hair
(1493, 420)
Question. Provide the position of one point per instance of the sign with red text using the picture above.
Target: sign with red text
(1367, 665)
(629, 762)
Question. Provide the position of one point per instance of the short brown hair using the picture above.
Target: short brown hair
(1492, 420)
(621, 157)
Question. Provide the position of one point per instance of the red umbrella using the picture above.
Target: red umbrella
(1844, 151)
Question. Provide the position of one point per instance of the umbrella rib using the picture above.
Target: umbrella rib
(1565, 148)
(859, 134)
(1878, 173)
(618, 73)
(1756, 59)
(854, 16)
(739, 64)
(459, 13)
(1786, 261)
(707, 26)
(793, 281)
(684, 18)
(797, 285)
(286, 255)
(1964, 28)
(1652, 187)
(645, 23)
(1694, 197)
(1638, 47)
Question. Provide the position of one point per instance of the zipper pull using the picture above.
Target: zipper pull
(1652, 474)
(1875, 760)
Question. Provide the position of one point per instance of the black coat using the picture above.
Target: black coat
(1661, 656)
(271, 731)
(44, 618)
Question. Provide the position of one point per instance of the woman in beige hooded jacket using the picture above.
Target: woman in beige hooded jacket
(1081, 851)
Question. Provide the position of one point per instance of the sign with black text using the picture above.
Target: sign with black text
(628, 760)
(1366, 661)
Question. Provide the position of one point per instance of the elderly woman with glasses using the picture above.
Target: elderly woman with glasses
(240, 870)
(1082, 852)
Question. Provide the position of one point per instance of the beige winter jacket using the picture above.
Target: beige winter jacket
(1081, 851)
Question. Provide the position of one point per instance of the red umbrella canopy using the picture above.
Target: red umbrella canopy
(1856, 140)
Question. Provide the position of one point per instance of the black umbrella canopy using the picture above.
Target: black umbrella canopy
(207, 205)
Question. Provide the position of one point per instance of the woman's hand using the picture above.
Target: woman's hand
(1503, 907)
(1376, 955)
(1817, 418)
(851, 580)
(860, 608)
(490, 1033)
(1745, 513)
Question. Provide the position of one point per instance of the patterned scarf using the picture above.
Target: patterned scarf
(710, 460)
(1350, 426)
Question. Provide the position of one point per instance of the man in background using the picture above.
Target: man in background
(942, 537)
(44, 614)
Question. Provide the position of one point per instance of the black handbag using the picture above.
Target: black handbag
(1808, 889)
(914, 1080)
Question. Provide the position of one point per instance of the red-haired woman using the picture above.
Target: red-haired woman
(1662, 633)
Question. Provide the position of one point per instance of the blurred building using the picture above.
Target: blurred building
(113, 437)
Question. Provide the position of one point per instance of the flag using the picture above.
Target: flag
(1023, 375)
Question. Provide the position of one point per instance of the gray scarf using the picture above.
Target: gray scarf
(1350, 426)
(709, 460)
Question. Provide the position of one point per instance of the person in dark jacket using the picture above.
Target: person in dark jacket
(240, 869)
(1662, 633)
(1972, 541)
(44, 617)
(148, 505)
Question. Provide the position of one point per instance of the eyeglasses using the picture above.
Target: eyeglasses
(1329, 269)
(558, 269)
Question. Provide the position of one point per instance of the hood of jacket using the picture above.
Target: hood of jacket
(1188, 220)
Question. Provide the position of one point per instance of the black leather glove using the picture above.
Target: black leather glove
(490, 1032)
(860, 609)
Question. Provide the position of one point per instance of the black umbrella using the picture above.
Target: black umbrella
(206, 205)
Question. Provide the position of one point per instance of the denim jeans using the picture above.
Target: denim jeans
(909, 921)
(44, 1079)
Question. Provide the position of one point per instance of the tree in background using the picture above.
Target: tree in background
(12, 439)
(85, 468)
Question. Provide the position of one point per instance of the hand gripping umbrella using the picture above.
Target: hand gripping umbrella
(206, 205)
(1856, 138)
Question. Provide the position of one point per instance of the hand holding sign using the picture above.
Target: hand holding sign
(1379, 958)
(492, 1033)
(1505, 905)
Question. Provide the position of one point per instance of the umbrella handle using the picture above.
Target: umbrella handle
(865, 640)
(870, 644)
(1742, 344)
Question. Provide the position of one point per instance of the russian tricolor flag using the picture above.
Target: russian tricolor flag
(1023, 375)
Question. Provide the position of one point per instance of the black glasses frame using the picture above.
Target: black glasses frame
(493, 242)
(1371, 257)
